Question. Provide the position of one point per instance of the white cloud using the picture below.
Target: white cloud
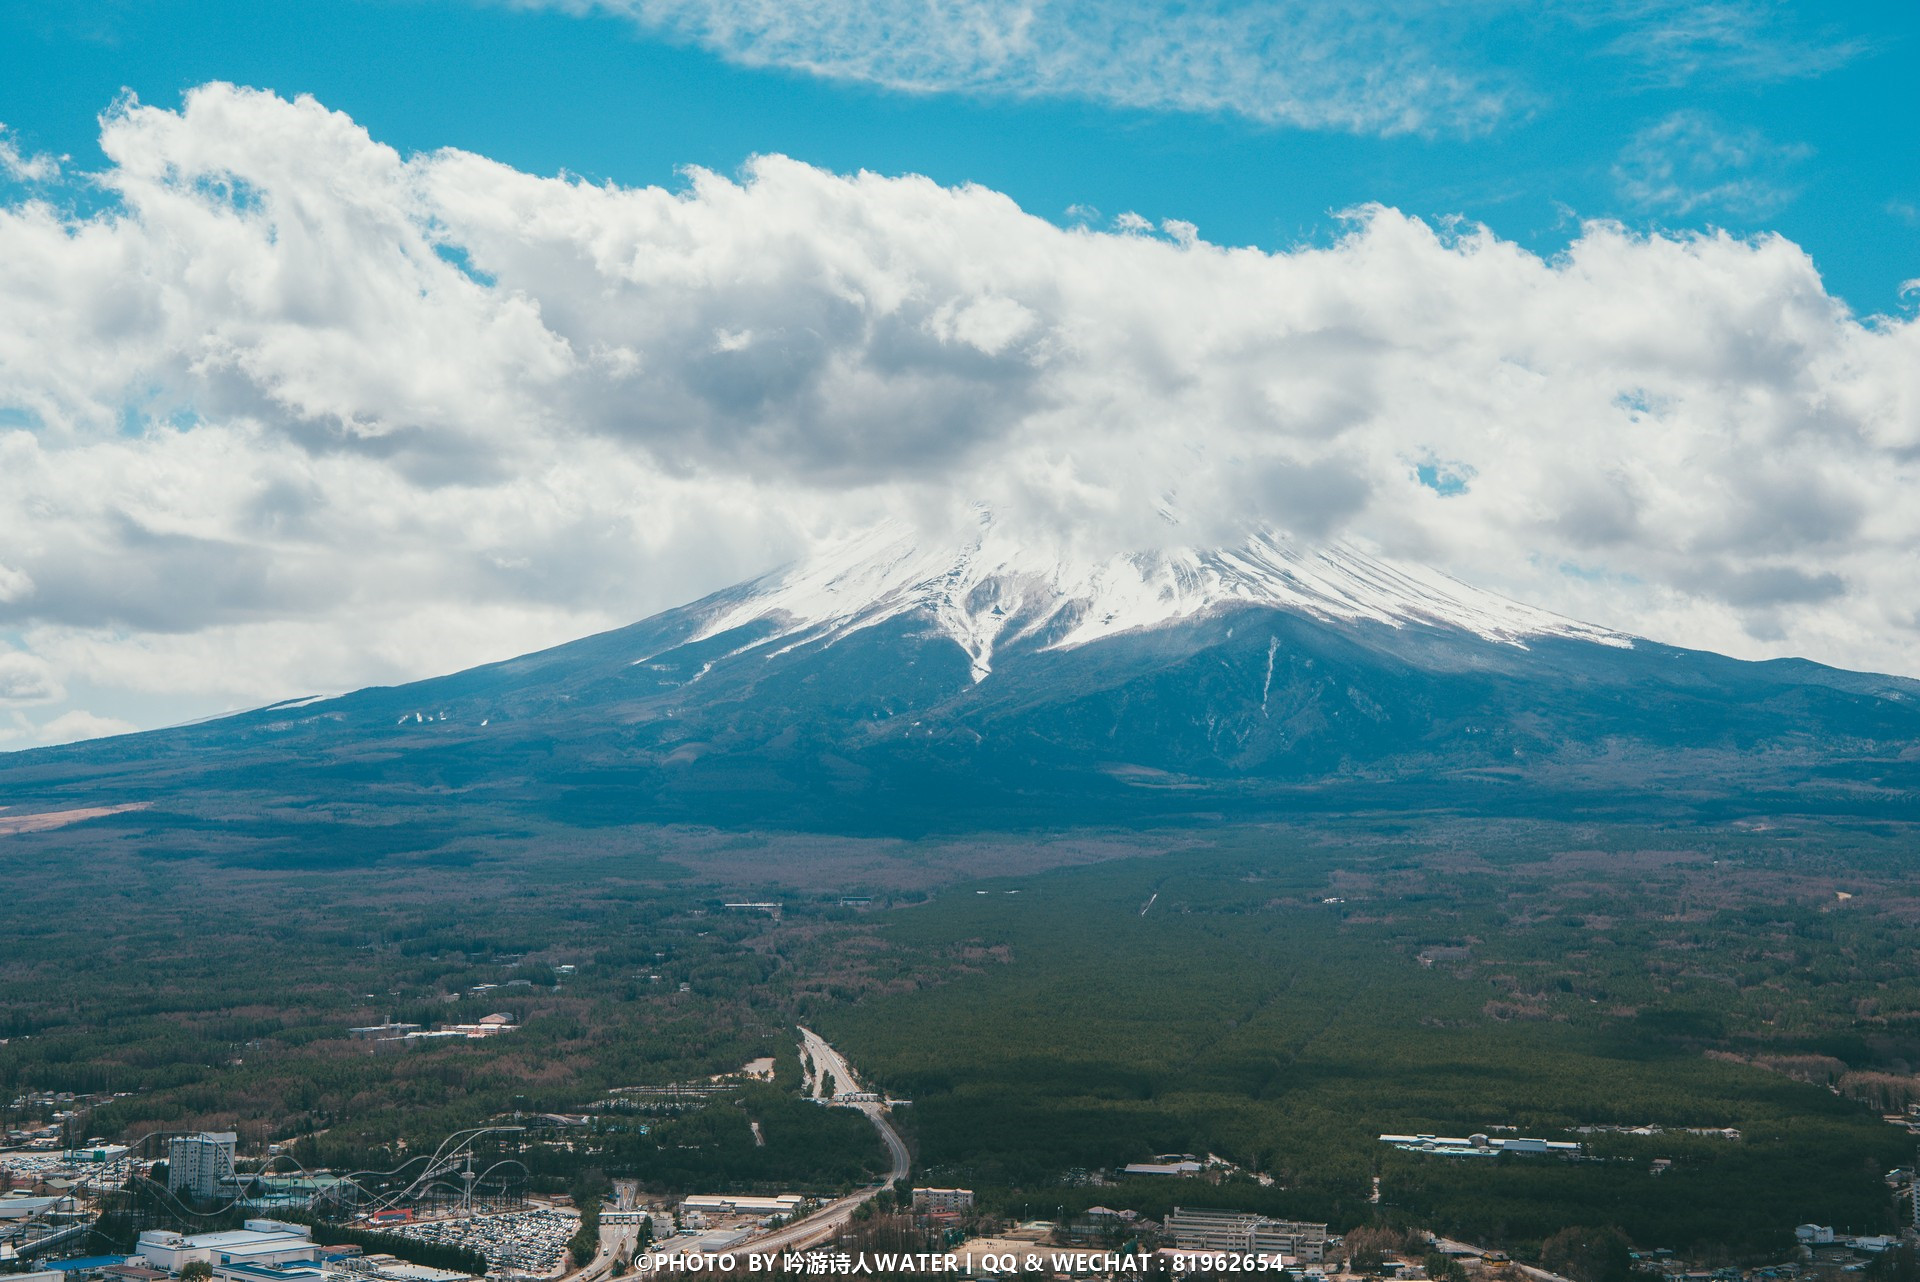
(306, 414)
(70, 727)
(1365, 66)
(1372, 66)
(15, 585)
(1676, 42)
(1688, 162)
(27, 679)
(37, 167)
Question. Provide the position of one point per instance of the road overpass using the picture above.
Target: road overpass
(826, 1222)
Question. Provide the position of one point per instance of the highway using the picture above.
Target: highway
(896, 1147)
(829, 1219)
(601, 1266)
(827, 1063)
(1457, 1248)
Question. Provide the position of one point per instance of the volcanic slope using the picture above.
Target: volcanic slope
(893, 683)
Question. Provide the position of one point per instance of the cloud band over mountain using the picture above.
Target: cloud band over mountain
(292, 411)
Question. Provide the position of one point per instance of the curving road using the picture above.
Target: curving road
(827, 1221)
(896, 1147)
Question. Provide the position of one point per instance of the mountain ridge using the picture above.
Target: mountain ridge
(891, 686)
(993, 586)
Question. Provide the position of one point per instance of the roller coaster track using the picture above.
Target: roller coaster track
(366, 1190)
(454, 1157)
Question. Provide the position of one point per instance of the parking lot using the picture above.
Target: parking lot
(29, 1168)
(532, 1241)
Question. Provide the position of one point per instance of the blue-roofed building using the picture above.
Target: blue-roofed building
(244, 1272)
(85, 1264)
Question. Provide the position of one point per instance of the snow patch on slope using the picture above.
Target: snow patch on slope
(991, 590)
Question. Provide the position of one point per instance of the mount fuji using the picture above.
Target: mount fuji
(899, 683)
(994, 591)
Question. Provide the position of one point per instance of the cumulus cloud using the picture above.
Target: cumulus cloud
(79, 724)
(35, 167)
(26, 679)
(15, 585)
(299, 413)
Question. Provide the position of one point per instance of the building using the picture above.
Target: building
(940, 1201)
(129, 1273)
(198, 1164)
(262, 1243)
(485, 1026)
(1478, 1145)
(96, 1152)
(26, 1208)
(300, 1272)
(706, 1242)
(385, 1268)
(1195, 1228)
(1098, 1222)
(740, 1204)
(380, 1032)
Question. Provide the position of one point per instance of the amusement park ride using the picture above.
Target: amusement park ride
(447, 1181)
(469, 1173)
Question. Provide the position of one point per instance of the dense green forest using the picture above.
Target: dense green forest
(1054, 1007)
(1282, 1005)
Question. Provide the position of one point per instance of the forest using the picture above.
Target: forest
(1056, 1007)
(1281, 1004)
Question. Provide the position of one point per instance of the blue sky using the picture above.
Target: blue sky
(1748, 114)
(293, 399)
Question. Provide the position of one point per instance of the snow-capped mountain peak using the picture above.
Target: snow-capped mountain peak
(990, 590)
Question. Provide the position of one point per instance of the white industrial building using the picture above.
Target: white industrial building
(25, 1208)
(939, 1201)
(262, 1243)
(1478, 1145)
(385, 1268)
(199, 1164)
(1195, 1228)
(739, 1204)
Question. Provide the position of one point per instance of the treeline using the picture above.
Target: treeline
(585, 1242)
(432, 1255)
(801, 1147)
